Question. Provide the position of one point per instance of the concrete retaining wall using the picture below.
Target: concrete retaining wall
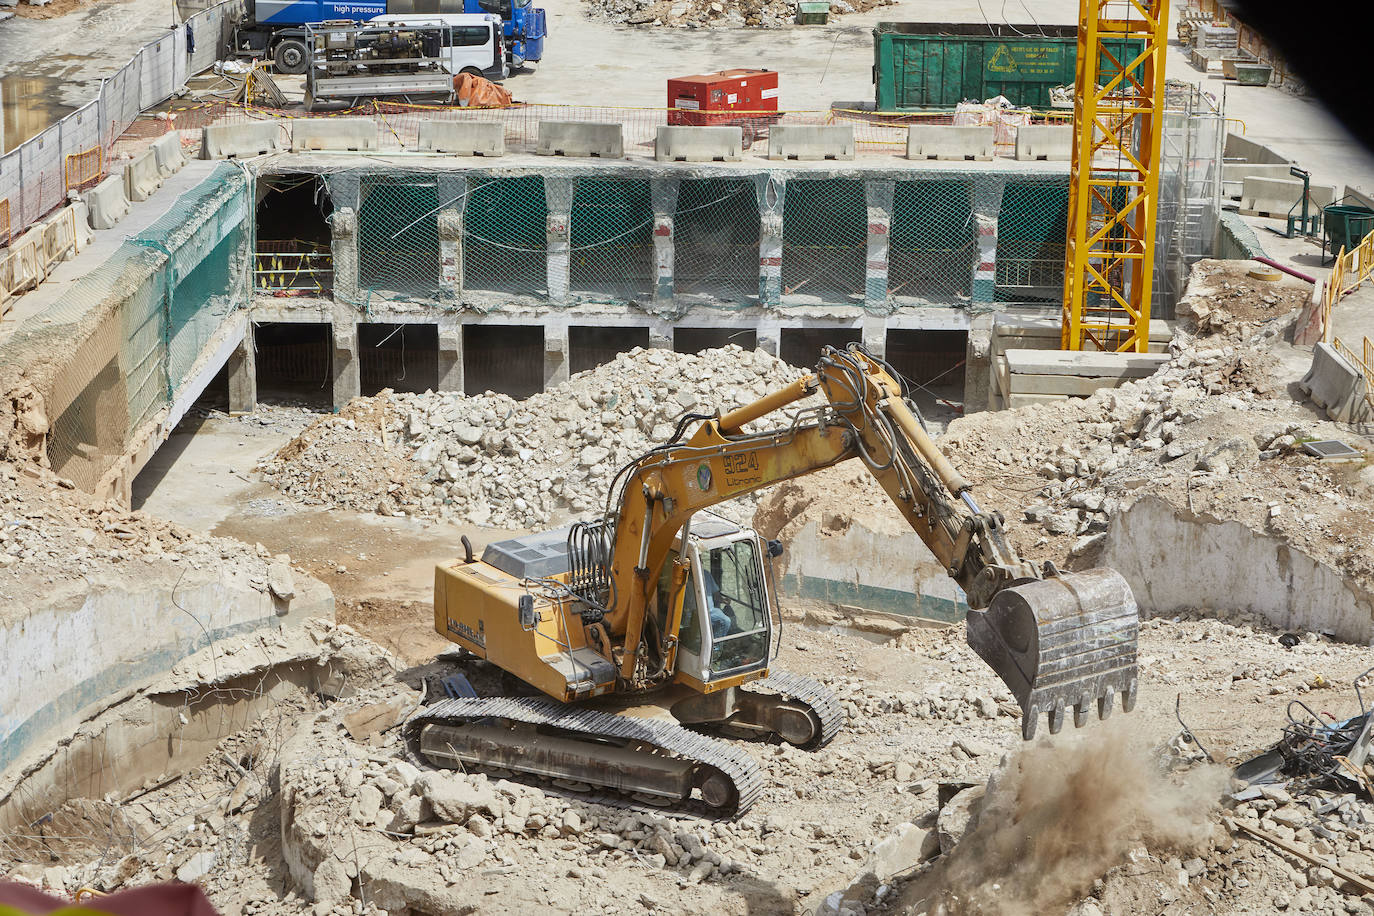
(1177, 561)
(870, 570)
(1240, 149)
(87, 643)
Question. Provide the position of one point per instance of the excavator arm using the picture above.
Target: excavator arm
(1058, 641)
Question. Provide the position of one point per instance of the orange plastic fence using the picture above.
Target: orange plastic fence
(4, 219)
(85, 169)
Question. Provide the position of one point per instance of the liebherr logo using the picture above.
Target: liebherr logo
(478, 637)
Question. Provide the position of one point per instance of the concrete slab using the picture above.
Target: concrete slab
(581, 138)
(698, 144)
(947, 141)
(1044, 142)
(811, 142)
(1083, 363)
(357, 134)
(462, 138)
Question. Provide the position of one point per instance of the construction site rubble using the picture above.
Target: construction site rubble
(494, 461)
(697, 14)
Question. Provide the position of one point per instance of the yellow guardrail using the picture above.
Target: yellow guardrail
(1351, 269)
(4, 219)
(1365, 364)
(85, 168)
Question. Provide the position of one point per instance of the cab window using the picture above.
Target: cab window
(737, 606)
(470, 36)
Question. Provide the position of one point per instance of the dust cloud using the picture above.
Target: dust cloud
(1059, 815)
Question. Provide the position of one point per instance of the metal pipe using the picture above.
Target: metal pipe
(1288, 270)
(735, 419)
(926, 446)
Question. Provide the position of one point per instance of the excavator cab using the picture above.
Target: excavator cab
(727, 606)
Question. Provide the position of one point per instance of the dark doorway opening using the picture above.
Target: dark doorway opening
(402, 357)
(507, 359)
(694, 340)
(295, 363)
(592, 347)
(802, 346)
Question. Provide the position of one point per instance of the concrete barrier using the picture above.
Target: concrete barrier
(309, 134)
(1238, 148)
(141, 177)
(463, 138)
(81, 215)
(1336, 386)
(580, 138)
(698, 144)
(1275, 197)
(237, 141)
(167, 150)
(796, 141)
(1051, 142)
(1233, 175)
(946, 141)
(107, 202)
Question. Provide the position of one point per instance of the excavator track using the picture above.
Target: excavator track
(799, 688)
(595, 748)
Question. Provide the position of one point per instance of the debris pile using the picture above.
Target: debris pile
(494, 461)
(708, 14)
(51, 533)
(1222, 300)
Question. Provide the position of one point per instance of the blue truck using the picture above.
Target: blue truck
(275, 28)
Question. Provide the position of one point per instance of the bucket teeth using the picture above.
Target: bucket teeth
(1059, 643)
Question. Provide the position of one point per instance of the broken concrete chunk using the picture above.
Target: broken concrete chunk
(455, 798)
(378, 717)
(908, 847)
(281, 581)
(957, 817)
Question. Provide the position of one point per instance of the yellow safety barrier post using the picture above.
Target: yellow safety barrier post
(5, 220)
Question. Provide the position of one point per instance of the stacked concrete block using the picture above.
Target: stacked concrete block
(808, 142)
(1278, 197)
(580, 138)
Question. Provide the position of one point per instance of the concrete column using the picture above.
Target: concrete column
(769, 191)
(878, 198)
(243, 376)
(452, 206)
(978, 366)
(873, 333)
(347, 378)
(450, 356)
(558, 197)
(663, 196)
(769, 337)
(346, 194)
(556, 365)
(987, 204)
(660, 334)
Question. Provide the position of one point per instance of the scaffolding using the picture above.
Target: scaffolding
(1114, 177)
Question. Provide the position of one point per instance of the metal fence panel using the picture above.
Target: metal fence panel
(80, 131)
(41, 162)
(824, 239)
(716, 239)
(611, 251)
(934, 242)
(119, 100)
(398, 237)
(505, 235)
(157, 71)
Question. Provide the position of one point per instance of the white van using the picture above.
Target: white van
(476, 44)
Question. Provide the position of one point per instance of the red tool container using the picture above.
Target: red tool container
(729, 97)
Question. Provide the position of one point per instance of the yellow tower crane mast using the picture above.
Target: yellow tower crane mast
(1114, 178)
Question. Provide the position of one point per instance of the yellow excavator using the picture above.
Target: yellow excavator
(655, 622)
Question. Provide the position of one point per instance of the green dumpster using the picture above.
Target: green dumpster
(940, 64)
(1347, 225)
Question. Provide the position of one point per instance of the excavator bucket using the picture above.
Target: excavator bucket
(1065, 641)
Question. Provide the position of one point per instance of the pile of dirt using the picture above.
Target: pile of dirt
(1222, 299)
(494, 461)
(714, 14)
